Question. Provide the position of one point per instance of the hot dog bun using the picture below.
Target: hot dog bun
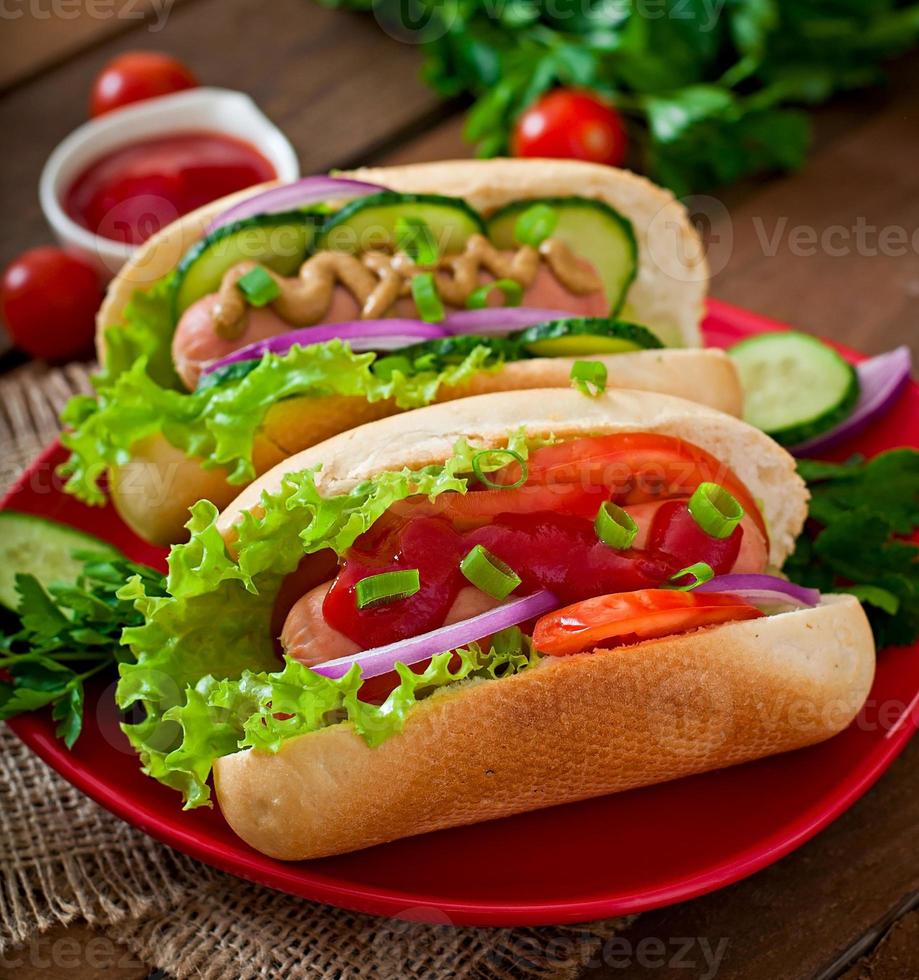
(427, 435)
(155, 489)
(574, 727)
(568, 729)
(668, 295)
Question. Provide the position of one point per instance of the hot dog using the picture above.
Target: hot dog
(519, 600)
(271, 320)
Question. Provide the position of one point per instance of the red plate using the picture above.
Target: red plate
(599, 858)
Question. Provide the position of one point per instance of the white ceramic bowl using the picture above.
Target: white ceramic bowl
(208, 109)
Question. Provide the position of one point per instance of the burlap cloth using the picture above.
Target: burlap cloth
(63, 858)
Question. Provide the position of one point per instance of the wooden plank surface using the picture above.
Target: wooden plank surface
(834, 249)
(344, 92)
(332, 81)
(38, 35)
(896, 956)
(799, 918)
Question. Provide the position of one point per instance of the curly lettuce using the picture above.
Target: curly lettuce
(263, 710)
(139, 395)
(204, 670)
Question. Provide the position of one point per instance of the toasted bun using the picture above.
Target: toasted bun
(568, 729)
(427, 435)
(157, 257)
(155, 489)
(668, 294)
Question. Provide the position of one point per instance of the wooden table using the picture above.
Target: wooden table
(823, 249)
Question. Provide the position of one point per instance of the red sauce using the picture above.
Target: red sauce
(553, 551)
(131, 193)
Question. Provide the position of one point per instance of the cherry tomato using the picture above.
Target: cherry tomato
(570, 124)
(629, 617)
(49, 301)
(635, 467)
(135, 76)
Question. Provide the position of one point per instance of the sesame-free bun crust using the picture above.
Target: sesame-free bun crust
(427, 435)
(669, 291)
(573, 727)
(155, 489)
(667, 295)
(157, 257)
(568, 729)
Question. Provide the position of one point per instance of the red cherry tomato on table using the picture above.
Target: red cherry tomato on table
(136, 76)
(49, 301)
(571, 124)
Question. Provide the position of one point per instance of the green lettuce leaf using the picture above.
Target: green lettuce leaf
(263, 710)
(138, 395)
(213, 624)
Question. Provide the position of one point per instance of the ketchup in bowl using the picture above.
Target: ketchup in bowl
(129, 194)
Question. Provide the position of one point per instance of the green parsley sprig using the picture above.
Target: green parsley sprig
(66, 635)
(855, 538)
(711, 92)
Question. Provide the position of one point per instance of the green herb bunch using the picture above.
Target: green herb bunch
(712, 90)
(65, 636)
(857, 538)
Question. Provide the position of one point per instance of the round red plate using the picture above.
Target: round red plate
(603, 857)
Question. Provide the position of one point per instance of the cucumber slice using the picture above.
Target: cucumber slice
(279, 241)
(41, 548)
(586, 335)
(370, 222)
(235, 371)
(592, 229)
(435, 355)
(795, 386)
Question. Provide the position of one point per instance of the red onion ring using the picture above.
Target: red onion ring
(499, 320)
(383, 660)
(289, 197)
(392, 334)
(361, 335)
(881, 379)
(760, 588)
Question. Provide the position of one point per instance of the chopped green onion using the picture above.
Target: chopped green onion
(698, 573)
(489, 573)
(511, 290)
(535, 225)
(614, 526)
(715, 510)
(589, 377)
(415, 238)
(387, 587)
(496, 459)
(386, 367)
(258, 287)
(427, 299)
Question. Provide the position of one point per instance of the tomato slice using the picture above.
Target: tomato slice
(635, 467)
(479, 507)
(624, 617)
